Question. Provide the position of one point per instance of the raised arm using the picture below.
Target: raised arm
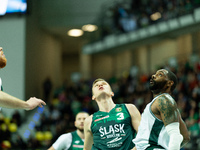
(135, 116)
(88, 134)
(170, 116)
(9, 101)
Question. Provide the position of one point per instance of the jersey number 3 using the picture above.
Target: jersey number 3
(120, 116)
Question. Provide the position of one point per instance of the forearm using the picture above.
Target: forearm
(88, 143)
(9, 101)
(88, 134)
(184, 131)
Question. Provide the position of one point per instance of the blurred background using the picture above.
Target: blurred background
(55, 50)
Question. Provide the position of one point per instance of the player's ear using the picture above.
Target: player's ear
(170, 83)
(93, 97)
(112, 94)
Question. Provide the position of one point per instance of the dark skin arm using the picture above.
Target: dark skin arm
(165, 108)
(183, 131)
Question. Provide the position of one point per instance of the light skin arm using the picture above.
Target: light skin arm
(9, 101)
(51, 148)
(88, 134)
(135, 116)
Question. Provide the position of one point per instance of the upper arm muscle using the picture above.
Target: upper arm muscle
(135, 115)
(168, 109)
(183, 129)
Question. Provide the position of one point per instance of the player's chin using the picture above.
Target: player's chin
(81, 128)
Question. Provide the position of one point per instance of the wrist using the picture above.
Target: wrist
(26, 105)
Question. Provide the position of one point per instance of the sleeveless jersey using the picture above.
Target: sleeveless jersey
(1, 87)
(152, 134)
(77, 142)
(112, 130)
(69, 141)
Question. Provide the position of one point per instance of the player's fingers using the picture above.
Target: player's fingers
(40, 105)
(43, 103)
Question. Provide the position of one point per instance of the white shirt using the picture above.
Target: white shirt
(63, 142)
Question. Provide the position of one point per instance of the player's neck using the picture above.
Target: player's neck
(106, 104)
(156, 94)
(161, 91)
(80, 134)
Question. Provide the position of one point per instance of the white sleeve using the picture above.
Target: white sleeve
(63, 142)
(175, 137)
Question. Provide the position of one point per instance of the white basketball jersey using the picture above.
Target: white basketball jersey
(151, 132)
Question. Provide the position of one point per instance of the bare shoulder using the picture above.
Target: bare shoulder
(167, 108)
(131, 107)
(165, 102)
(133, 110)
(135, 115)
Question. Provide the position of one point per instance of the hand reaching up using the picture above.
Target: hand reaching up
(34, 102)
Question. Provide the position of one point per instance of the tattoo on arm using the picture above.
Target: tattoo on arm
(168, 110)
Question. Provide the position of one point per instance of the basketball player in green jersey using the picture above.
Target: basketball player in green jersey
(9, 101)
(73, 140)
(113, 127)
(161, 126)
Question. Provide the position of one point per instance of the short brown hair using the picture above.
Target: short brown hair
(81, 112)
(97, 80)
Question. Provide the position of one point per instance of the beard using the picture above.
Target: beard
(157, 87)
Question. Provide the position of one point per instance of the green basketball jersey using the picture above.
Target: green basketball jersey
(1, 87)
(77, 142)
(112, 130)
